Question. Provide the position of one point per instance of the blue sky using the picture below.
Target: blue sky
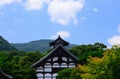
(77, 21)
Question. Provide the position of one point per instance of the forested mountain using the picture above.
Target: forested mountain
(5, 45)
(39, 45)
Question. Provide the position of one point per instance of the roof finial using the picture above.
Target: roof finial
(59, 41)
(59, 36)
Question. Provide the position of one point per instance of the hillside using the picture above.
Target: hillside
(39, 45)
(5, 45)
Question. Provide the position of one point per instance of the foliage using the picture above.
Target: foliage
(106, 67)
(4, 45)
(18, 64)
(85, 51)
(66, 75)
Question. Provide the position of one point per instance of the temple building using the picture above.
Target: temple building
(59, 58)
(4, 76)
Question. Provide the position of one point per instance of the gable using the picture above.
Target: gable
(59, 55)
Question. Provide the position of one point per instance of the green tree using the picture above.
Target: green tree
(106, 67)
(65, 74)
(85, 51)
(18, 64)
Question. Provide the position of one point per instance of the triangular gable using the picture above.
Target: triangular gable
(60, 47)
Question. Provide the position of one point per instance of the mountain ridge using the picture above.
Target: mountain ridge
(5, 45)
(41, 45)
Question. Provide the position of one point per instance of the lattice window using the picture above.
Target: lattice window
(63, 65)
(47, 69)
(70, 59)
(55, 58)
(54, 75)
(39, 75)
(56, 65)
(39, 69)
(49, 59)
(48, 65)
(47, 76)
(40, 78)
(72, 65)
(64, 58)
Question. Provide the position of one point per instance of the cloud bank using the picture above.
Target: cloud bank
(115, 40)
(65, 11)
(60, 11)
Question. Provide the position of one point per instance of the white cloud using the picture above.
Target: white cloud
(65, 11)
(63, 34)
(95, 10)
(60, 11)
(35, 4)
(5, 2)
(115, 40)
